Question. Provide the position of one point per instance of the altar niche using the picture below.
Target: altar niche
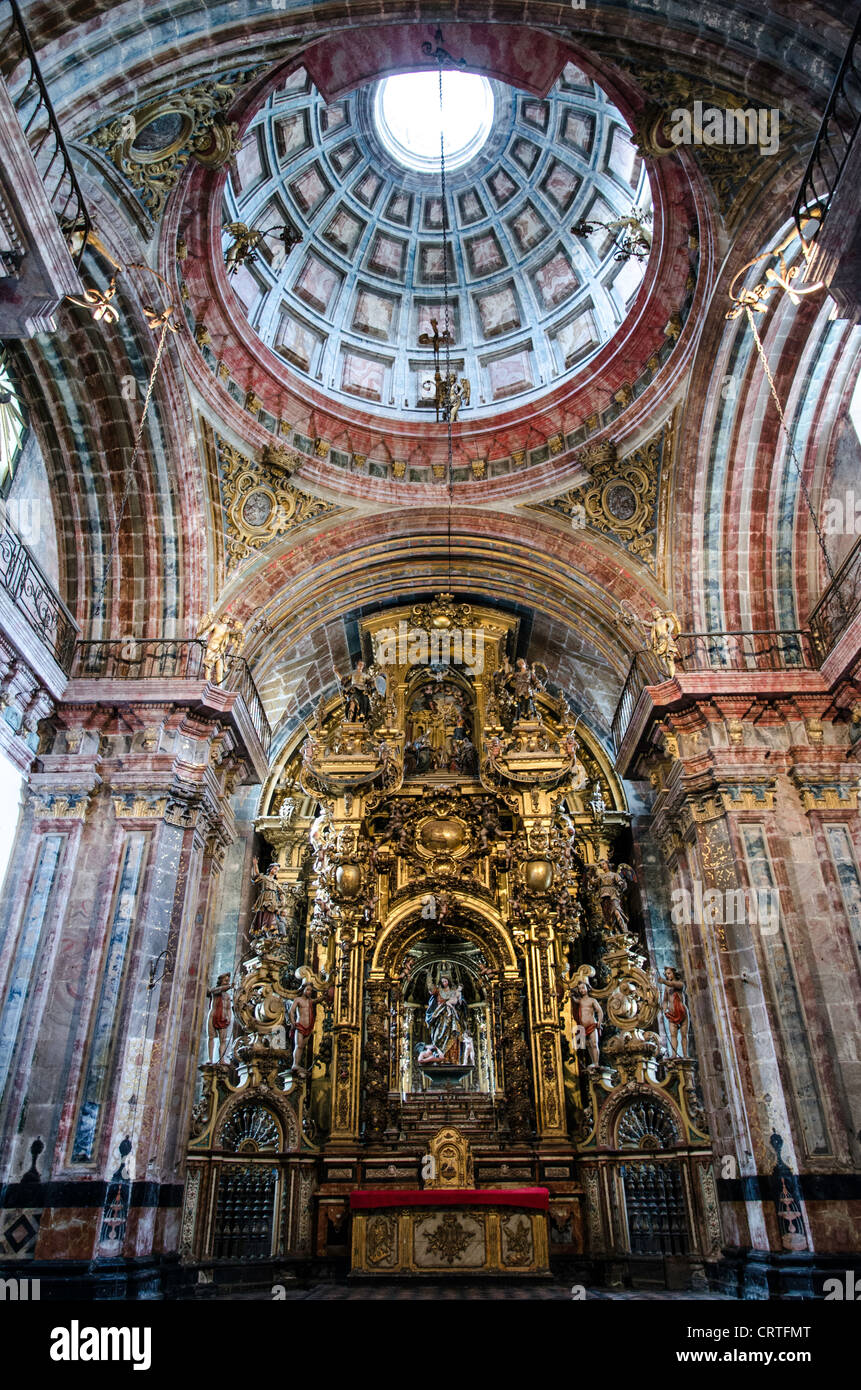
(440, 727)
(444, 1020)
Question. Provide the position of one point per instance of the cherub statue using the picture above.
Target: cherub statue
(244, 246)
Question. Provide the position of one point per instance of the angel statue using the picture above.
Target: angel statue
(662, 639)
(458, 395)
(243, 247)
(661, 632)
(609, 885)
(224, 638)
(447, 1022)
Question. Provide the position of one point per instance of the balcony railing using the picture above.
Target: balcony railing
(33, 596)
(168, 658)
(839, 604)
(753, 650)
(839, 127)
(39, 123)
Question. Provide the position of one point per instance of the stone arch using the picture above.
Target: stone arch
(274, 1106)
(666, 1118)
(405, 923)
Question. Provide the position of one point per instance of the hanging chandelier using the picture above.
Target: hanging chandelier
(448, 391)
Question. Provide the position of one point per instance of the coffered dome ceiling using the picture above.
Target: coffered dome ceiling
(529, 303)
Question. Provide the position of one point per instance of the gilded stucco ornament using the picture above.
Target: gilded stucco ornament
(260, 504)
(151, 145)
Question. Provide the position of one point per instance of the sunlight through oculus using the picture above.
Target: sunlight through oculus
(409, 121)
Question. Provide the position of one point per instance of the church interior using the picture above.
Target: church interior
(430, 647)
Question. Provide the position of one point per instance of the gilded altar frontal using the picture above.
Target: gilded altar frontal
(430, 662)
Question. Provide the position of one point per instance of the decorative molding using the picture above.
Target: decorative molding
(834, 793)
(151, 145)
(734, 171)
(139, 806)
(61, 805)
(621, 500)
(260, 504)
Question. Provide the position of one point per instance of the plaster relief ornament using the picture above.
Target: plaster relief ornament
(675, 1013)
(224, 638)
(302, 1017)
(220, 1018)
(152, 145)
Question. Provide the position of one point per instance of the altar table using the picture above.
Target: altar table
(457, 1231)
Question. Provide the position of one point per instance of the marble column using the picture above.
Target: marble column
(108, 909)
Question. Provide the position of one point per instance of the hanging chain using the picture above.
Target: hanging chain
(779, 408)
(446, 337)
(129, 473)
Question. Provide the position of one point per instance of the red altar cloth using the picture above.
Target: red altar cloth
(533, 1198)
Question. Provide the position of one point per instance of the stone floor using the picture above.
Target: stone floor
(455, 1292)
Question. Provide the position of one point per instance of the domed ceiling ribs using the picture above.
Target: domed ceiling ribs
(529, 303)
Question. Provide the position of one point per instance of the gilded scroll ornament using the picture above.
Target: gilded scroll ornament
(151, 145)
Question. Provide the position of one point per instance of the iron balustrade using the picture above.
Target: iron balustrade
(838, 604)
(34, 597)
(39, 123)
(168, 658)
(838, 129)
(762, 649)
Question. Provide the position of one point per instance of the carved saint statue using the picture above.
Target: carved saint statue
(220, 1017)
(588, 1021)
(610, 886)
(269, 903)
(354, 693)
(674, 1011)
(303, 1016)
(526, 684)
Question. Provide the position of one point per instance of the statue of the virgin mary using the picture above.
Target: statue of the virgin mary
(447, 1021)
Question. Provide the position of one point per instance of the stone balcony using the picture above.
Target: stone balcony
(723, 667)
(161, 672)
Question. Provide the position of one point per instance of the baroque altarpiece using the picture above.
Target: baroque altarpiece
(447, 940)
